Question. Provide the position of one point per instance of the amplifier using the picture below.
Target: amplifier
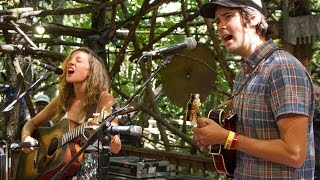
(137, 167)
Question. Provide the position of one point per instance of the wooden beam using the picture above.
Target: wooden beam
(26, 50)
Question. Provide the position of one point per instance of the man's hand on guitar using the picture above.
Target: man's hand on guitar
(209, 134)
(200, 123)
(29, 149)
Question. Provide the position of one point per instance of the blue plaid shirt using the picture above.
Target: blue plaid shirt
(281, 85)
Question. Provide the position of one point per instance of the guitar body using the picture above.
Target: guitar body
(51, 156)
(224, 160)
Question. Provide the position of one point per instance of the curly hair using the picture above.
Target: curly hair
(97, 82)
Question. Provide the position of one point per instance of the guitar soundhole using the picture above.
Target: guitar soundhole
(52, 146)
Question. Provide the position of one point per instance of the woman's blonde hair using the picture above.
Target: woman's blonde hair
(97, 82)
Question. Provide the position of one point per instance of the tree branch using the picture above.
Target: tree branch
(14, 49)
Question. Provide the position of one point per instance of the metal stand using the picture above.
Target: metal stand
(11, 105)
(102, 129)
(104, 158)
(4, 160)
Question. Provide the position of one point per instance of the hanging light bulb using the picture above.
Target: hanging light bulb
(40, 29)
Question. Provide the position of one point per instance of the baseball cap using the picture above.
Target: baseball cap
(208, 9)
(43, 98)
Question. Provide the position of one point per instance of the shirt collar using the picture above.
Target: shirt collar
(259, 53)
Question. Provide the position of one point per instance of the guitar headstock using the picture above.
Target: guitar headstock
(193, 109)
(98, 117)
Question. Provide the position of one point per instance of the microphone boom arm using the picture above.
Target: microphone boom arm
(10, 106)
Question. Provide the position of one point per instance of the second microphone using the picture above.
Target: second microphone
(56, 70)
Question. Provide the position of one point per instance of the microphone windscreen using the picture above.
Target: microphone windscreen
(136, 130)
(191, 42)
(59, 71)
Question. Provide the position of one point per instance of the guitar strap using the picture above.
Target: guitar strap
(229, 100)
(93, 108)
(90, 110)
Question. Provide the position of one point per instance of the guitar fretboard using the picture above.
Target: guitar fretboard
(67, 137)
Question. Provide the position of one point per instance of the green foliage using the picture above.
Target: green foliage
(316, 55)
(314, 4)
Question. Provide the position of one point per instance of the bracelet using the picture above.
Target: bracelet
(234, 141)
(229, 140)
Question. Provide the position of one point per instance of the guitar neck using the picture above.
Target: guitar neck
(75, 132)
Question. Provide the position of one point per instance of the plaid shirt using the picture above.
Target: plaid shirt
(281, 85)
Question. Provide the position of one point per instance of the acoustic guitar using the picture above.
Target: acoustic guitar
(55, 151)
(224, 160)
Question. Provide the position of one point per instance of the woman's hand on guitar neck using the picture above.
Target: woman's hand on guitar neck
(209, 133)
(29, 149)
(92, 123)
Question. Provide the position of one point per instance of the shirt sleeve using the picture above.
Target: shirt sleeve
(290, 90)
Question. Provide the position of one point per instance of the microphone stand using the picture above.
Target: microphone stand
(104, 158)
(106, 123)
(11, 105)
(4, 160)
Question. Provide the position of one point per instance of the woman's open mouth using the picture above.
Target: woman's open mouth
(70, 70)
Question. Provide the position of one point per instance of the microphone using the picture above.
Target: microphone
(128, 130)
(58, 71)
(24, 144)
(4, 88)
(4, 85)
(188, 43)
